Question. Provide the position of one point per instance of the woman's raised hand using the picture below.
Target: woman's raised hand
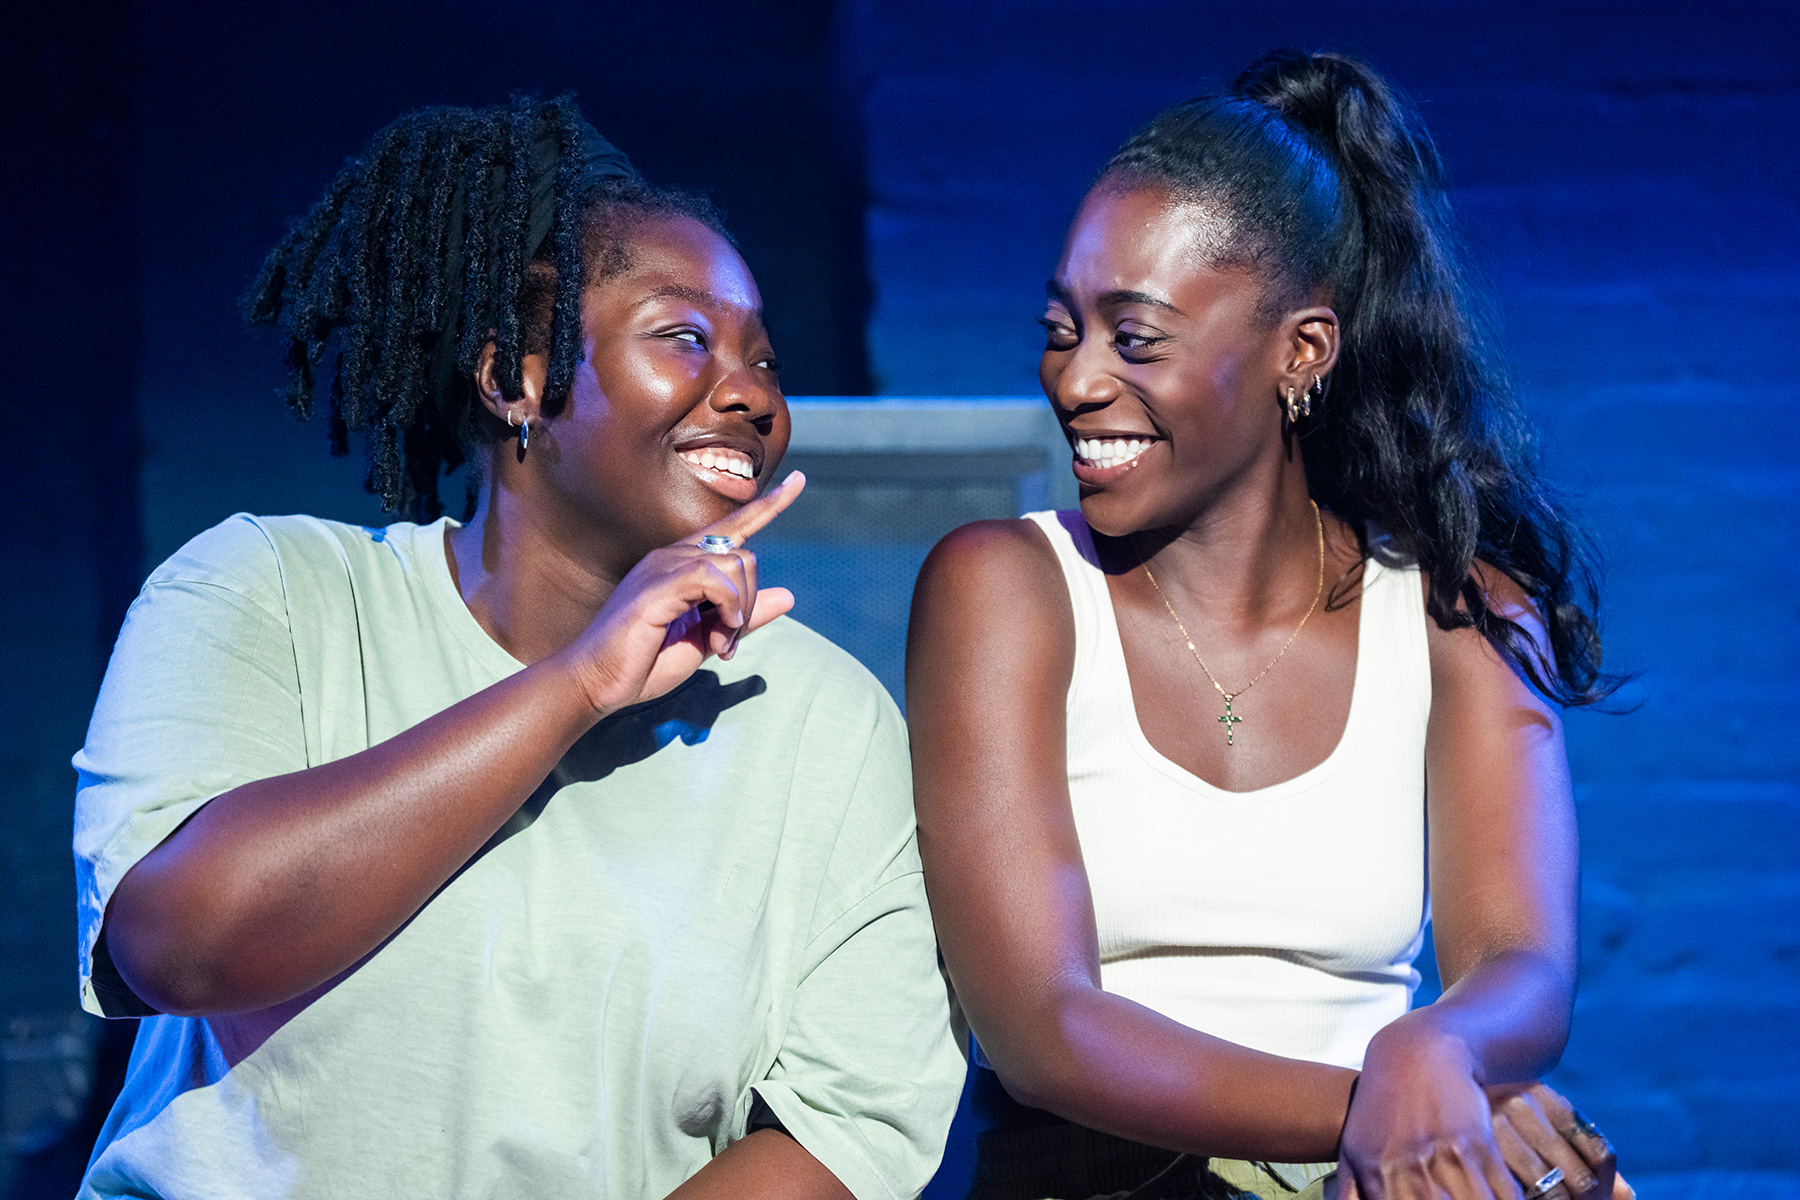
(678, 605)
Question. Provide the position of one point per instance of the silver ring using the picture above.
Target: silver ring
(717, 543)
(1545, 1182)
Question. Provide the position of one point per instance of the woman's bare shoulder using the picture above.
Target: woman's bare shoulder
(1470, 673)
(991, 614)
(995, 566)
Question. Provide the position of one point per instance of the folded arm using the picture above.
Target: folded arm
(1501, 818)
(277, 886)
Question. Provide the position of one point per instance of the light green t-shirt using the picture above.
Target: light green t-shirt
(713, 893)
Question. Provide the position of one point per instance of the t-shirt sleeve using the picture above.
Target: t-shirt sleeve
(201, 695)
(868, 1075)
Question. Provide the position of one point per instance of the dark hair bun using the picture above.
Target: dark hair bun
(1371, 129)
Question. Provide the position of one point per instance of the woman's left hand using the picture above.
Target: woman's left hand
(1537, 1130)
(1419, 1126)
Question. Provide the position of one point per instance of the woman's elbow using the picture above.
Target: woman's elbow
(1029, 1082)
(1038, 1060)
(154, 976)
(172, 954)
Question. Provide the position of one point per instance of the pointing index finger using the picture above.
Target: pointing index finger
(740, 525)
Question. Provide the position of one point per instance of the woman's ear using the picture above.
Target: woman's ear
(524, 407)
(1311, 346)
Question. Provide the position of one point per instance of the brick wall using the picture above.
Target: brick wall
(1627, 174)
(1626, 171)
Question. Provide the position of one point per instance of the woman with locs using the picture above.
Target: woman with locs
(1189, 762)
(434, 859)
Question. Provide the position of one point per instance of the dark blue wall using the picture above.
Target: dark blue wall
(1628, 175)
(1626, 171)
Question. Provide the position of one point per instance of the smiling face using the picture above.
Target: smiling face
(676, 415)
(1160, 367)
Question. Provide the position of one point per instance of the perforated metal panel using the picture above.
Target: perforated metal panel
(885, 480)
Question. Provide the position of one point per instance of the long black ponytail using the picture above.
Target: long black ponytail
(454, 227)
(1327, 178)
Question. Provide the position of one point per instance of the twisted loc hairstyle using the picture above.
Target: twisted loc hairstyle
(1327, 180)
(454, 228)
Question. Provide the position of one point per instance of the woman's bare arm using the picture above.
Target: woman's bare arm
(1503, 856)
(276, 887)
(989, 658)
(1503, 882)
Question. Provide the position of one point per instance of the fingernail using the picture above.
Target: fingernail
(793, 476)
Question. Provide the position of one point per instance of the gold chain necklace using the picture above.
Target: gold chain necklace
(1228, 720)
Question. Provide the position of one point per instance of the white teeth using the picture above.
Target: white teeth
(725, 461)
(1109, 452)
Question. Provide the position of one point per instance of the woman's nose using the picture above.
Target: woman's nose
(750, 390)
(1084, 381)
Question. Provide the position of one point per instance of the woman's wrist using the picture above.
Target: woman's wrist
(572, 675)
(1418, 1041)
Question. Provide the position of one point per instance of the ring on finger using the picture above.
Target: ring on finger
(1544, 1183)
(1586, 1127)
(716, 543)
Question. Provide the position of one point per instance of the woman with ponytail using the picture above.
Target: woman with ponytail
(1195, 764)
(527, 855)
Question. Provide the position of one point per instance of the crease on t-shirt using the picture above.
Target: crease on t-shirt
(882, 877)
(187, 805)
(274, 605)
(854, 911)
(313, 755)
(109, 864)
(812, 913)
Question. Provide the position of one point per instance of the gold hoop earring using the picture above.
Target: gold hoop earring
(1315, 392)
(1293, 406)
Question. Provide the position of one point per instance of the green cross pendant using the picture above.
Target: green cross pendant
(1228, 720)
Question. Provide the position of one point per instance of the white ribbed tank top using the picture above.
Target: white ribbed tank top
(1285, 919)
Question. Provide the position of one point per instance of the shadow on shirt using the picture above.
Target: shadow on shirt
(630, 736)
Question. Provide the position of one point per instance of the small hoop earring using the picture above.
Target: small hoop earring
(1315, 392)
(512, 420)
(1293, 407)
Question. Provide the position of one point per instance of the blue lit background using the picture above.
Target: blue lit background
(899, 176)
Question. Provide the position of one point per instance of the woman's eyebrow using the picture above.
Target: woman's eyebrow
(698, 297)
(1125, 296)
(1117, 296)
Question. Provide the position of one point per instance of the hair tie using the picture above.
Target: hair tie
(599, 161)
